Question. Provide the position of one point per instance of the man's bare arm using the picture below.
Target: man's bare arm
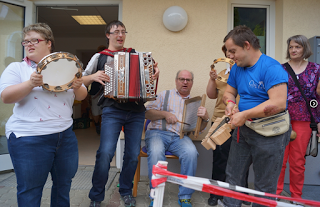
(230, 95)
(275, 104)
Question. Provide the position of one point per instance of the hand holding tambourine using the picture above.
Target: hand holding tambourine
(77, 84)
(60, 71)
(213, 74)
(36, 80)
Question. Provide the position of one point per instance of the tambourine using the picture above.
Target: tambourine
(227, 60)
(59, 70)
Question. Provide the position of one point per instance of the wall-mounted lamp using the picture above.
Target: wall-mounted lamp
(175, 18)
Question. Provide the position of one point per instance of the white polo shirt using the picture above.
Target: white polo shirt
(41, 112)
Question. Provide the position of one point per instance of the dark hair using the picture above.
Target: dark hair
(110, 25)
(101, 48)
(240, 34)
(224, 50)
(303, 41)
(44, 30)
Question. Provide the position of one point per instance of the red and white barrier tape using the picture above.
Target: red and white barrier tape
(160, 175)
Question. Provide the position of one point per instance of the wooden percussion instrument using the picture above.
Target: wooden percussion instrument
(190, 117)
(219, 132)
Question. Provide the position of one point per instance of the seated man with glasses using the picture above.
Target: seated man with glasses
(163, 133)
(130, 115)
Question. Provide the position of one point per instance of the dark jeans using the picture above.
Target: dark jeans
(219, 163)
(266, 156)
(33, 157)
(112, 121)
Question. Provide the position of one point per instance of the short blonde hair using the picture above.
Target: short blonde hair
(44, 30)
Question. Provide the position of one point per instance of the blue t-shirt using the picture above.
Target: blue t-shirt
(253, 83)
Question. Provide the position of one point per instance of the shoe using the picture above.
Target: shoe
(212, 201)
(151, 204)
(185, 202)
(221, 204)
(95, 204)
(128, 200)
(295, 203)
(248, 203)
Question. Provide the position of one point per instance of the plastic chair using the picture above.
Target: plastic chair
(143, 153)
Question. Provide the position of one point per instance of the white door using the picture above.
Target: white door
(14, 15)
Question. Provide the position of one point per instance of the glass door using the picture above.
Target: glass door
(259, 16)
(12, 20)
(255, 19)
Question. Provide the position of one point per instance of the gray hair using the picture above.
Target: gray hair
(303, 41)
(184, 70)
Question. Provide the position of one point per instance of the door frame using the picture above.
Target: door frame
(271, 23)
(119, 149)
(29, 12)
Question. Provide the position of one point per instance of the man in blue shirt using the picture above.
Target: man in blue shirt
(262, 85)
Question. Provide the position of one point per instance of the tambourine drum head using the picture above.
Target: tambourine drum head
(59, 71)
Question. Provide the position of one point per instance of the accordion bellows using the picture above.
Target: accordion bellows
(130, 77)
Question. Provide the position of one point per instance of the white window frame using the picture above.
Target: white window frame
(29, 10)
(30, 18)
(5, 160)
(270, 24)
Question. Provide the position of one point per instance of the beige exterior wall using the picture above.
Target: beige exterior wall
(295, 17)
(194, 48)
(199, 43)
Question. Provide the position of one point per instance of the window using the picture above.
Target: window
(259, 17)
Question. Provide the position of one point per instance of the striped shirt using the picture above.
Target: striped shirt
(175, 106)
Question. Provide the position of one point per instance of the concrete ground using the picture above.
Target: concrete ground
(82, 184)
(79, 195)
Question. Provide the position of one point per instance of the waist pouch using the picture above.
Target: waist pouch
(272, 125)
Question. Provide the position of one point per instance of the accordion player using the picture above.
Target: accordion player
(131, 77)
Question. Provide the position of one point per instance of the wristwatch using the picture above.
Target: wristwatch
(207, 120)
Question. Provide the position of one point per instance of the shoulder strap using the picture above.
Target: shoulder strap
(101, 61)
(294, 77)
(165, 108)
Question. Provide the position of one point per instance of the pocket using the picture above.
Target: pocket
(11, 137)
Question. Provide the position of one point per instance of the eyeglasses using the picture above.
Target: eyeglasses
(32, 41)
(185, 79)
(117, 32)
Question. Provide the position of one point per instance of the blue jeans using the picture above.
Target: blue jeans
(33, 157)
(266, 156)
(158, 141)
(112, 121)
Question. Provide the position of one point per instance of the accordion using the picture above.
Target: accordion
(130, 77)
